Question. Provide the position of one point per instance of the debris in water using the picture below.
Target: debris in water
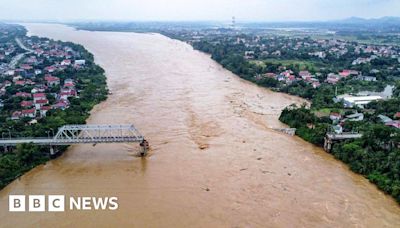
(203, 146)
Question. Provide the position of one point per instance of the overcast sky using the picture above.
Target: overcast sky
(173, 10)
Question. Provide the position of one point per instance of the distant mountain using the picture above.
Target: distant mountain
(382, 20)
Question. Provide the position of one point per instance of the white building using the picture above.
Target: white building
(360, 101)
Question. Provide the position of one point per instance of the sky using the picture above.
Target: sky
(195, 10)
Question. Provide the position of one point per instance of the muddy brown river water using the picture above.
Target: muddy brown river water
(215, 162)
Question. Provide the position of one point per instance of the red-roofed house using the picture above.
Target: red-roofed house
(66, 62)
(16, 115)
(51, 80)
(346, 73)
(69, 85)
(40, 103)
(61, 105)
(39, 96)
(305, 74)
(26, 104)
(29, 113)
(23, 94)
(65, 94)
(20, 82)
(44, 110)
(50, 69)
(26, 67)
(395, 124)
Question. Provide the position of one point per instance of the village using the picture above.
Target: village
(341, 77)
(36, 76)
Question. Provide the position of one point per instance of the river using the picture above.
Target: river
(215, 162)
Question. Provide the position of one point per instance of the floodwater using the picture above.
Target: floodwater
(215, 162)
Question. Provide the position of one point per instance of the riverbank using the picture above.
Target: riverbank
(248, 174)
(376, 154)
(67, 107)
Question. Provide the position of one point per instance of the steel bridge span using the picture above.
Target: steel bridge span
(84, 134)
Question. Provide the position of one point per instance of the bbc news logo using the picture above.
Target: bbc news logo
(58, 203)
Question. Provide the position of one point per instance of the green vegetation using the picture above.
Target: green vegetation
(91, 84)
(377, 154)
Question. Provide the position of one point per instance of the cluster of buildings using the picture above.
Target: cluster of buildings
(36, 103)
(339, 120)
(258, 47)
(33, 81)
(287, 76)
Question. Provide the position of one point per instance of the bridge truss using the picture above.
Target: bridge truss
(83, 134)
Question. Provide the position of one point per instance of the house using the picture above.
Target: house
(39, 96)
(352, 101)
(385, 119)
(26, 67)
(16, 115)
(334, 116)
(67, 92)
(26, 104)
(61, 105)
(44, 110)
(70, 84)
(23, 95)
(367, 78)
(346, 73)
(17, 78)
(355, 117)
(37, 72)
(40, 103)
(51, 80)
(249, 54)
(304, 74)
(34, 121)
(397, 115)
(31, 113)
(20, 83)
(66, 62)
(50, 69)
(395, 124)
(332, 78)
(316, 84)
(39, 89)
(80, 62)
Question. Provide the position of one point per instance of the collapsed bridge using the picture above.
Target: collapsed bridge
(84, 134)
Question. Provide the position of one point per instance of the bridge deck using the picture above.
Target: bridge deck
(343, 136)
(83, 134)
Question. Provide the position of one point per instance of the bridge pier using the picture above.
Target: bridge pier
(145, 147)
(53, 151)
(327, 144)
